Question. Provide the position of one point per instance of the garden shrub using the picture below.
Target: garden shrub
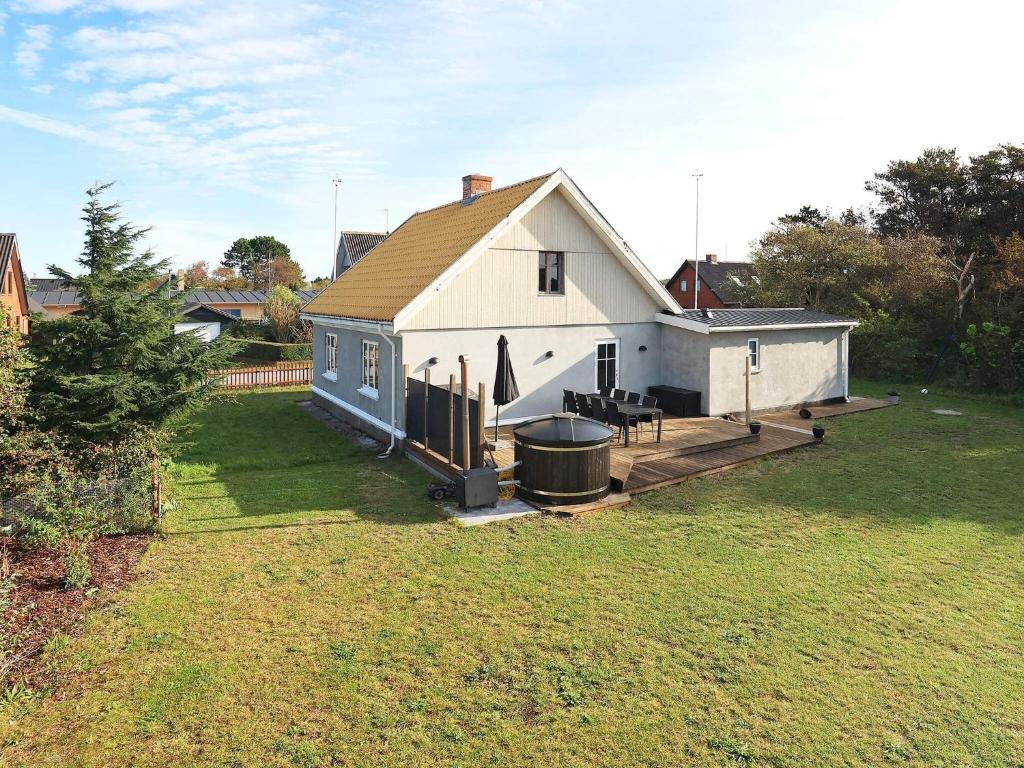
(993, 358)
(274, 351)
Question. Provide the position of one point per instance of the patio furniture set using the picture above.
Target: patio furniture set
(616, 408)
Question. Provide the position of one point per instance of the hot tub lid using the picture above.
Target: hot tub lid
(563, 429)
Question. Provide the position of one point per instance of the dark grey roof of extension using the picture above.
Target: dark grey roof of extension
(70, 297)
(750, 318)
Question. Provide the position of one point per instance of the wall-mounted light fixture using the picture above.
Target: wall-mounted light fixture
(643, 348)
(433, 361)
(549, 353)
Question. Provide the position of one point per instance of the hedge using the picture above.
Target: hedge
(274, 351)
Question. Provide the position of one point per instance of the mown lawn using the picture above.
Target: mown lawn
(855, 603)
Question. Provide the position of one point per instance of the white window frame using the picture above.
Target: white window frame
(618, 362)
(331, 356)
(370, 374)
(754, 354)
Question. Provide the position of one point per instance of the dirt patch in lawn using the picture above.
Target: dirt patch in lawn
(40, 607)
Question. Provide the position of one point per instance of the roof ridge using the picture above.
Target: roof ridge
(488, 192)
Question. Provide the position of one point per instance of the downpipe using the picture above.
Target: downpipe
(391, 446)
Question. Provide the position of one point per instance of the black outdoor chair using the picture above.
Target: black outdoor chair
(597, 410)
(633, 398)
(605, 391)
(583, 405)
(619, 394)
(620, 420)
(648, 401)
(569, 401)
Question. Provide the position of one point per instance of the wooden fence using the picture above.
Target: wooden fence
(280, 375)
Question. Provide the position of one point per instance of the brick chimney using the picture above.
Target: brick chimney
(711, 258)
(474, 184)
(181, 280)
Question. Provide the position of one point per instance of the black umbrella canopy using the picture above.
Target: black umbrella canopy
(505, 388)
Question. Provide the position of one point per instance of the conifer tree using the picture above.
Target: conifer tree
(116, 366)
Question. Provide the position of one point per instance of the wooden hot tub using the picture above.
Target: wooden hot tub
(566, 459)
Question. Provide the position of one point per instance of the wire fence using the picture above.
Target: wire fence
(118, 504)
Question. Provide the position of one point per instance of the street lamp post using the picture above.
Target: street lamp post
(696, 243)
(336, 181)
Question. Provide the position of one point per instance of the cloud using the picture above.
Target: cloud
(28, 54)
(3, 18)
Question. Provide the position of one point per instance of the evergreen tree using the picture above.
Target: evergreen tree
(116, 365)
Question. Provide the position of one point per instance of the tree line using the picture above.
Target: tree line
(252, 263)
(933, 269)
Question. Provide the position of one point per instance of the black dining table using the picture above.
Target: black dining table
(632, 410)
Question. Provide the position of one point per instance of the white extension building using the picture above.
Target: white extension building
(537, 262)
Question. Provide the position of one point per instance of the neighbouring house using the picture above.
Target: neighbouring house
(13, 293)
(353, 246)
(719, 282)
(206, 320)
(537, 262)
(60, 299)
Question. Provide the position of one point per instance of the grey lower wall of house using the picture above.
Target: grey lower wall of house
(541, 379)
(685, 361)
(797, 366)
(346, 387)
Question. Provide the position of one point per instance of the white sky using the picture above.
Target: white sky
(226, 119)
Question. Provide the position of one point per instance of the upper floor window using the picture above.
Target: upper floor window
(552, 272)
(682, 285)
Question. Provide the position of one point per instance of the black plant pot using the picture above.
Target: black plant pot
(755, 427)
(818, 432)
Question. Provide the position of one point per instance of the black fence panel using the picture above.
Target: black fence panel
(432, 427)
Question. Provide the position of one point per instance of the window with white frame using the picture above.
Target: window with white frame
(331, 354)
(754, 353)
(606, 360)
(371, 364)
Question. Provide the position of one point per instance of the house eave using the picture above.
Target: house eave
(354, 323)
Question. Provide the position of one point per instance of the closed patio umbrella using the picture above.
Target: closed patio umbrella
(505, 389)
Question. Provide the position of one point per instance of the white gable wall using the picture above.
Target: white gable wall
(499, 289)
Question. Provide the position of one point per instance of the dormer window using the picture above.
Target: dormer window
(552, 272)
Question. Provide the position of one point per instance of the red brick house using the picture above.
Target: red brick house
(12, 283)
(719, 282)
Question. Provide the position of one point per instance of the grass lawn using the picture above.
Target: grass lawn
(855, 603)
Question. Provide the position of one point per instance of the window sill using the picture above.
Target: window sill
(369, 392)
(330, 375)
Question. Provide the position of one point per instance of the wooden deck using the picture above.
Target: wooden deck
(689, 448)
(791, 417)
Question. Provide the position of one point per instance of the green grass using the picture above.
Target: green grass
(855, 603)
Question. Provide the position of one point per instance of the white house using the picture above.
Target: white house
(537, 262)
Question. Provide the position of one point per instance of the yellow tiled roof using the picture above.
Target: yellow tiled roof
(380, 284)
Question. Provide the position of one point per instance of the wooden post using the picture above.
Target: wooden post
(748, 389)
(481, 441)
(451, 419)
(426, 407)
(464, 392)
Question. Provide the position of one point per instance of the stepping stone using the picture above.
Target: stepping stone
(946, 412)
